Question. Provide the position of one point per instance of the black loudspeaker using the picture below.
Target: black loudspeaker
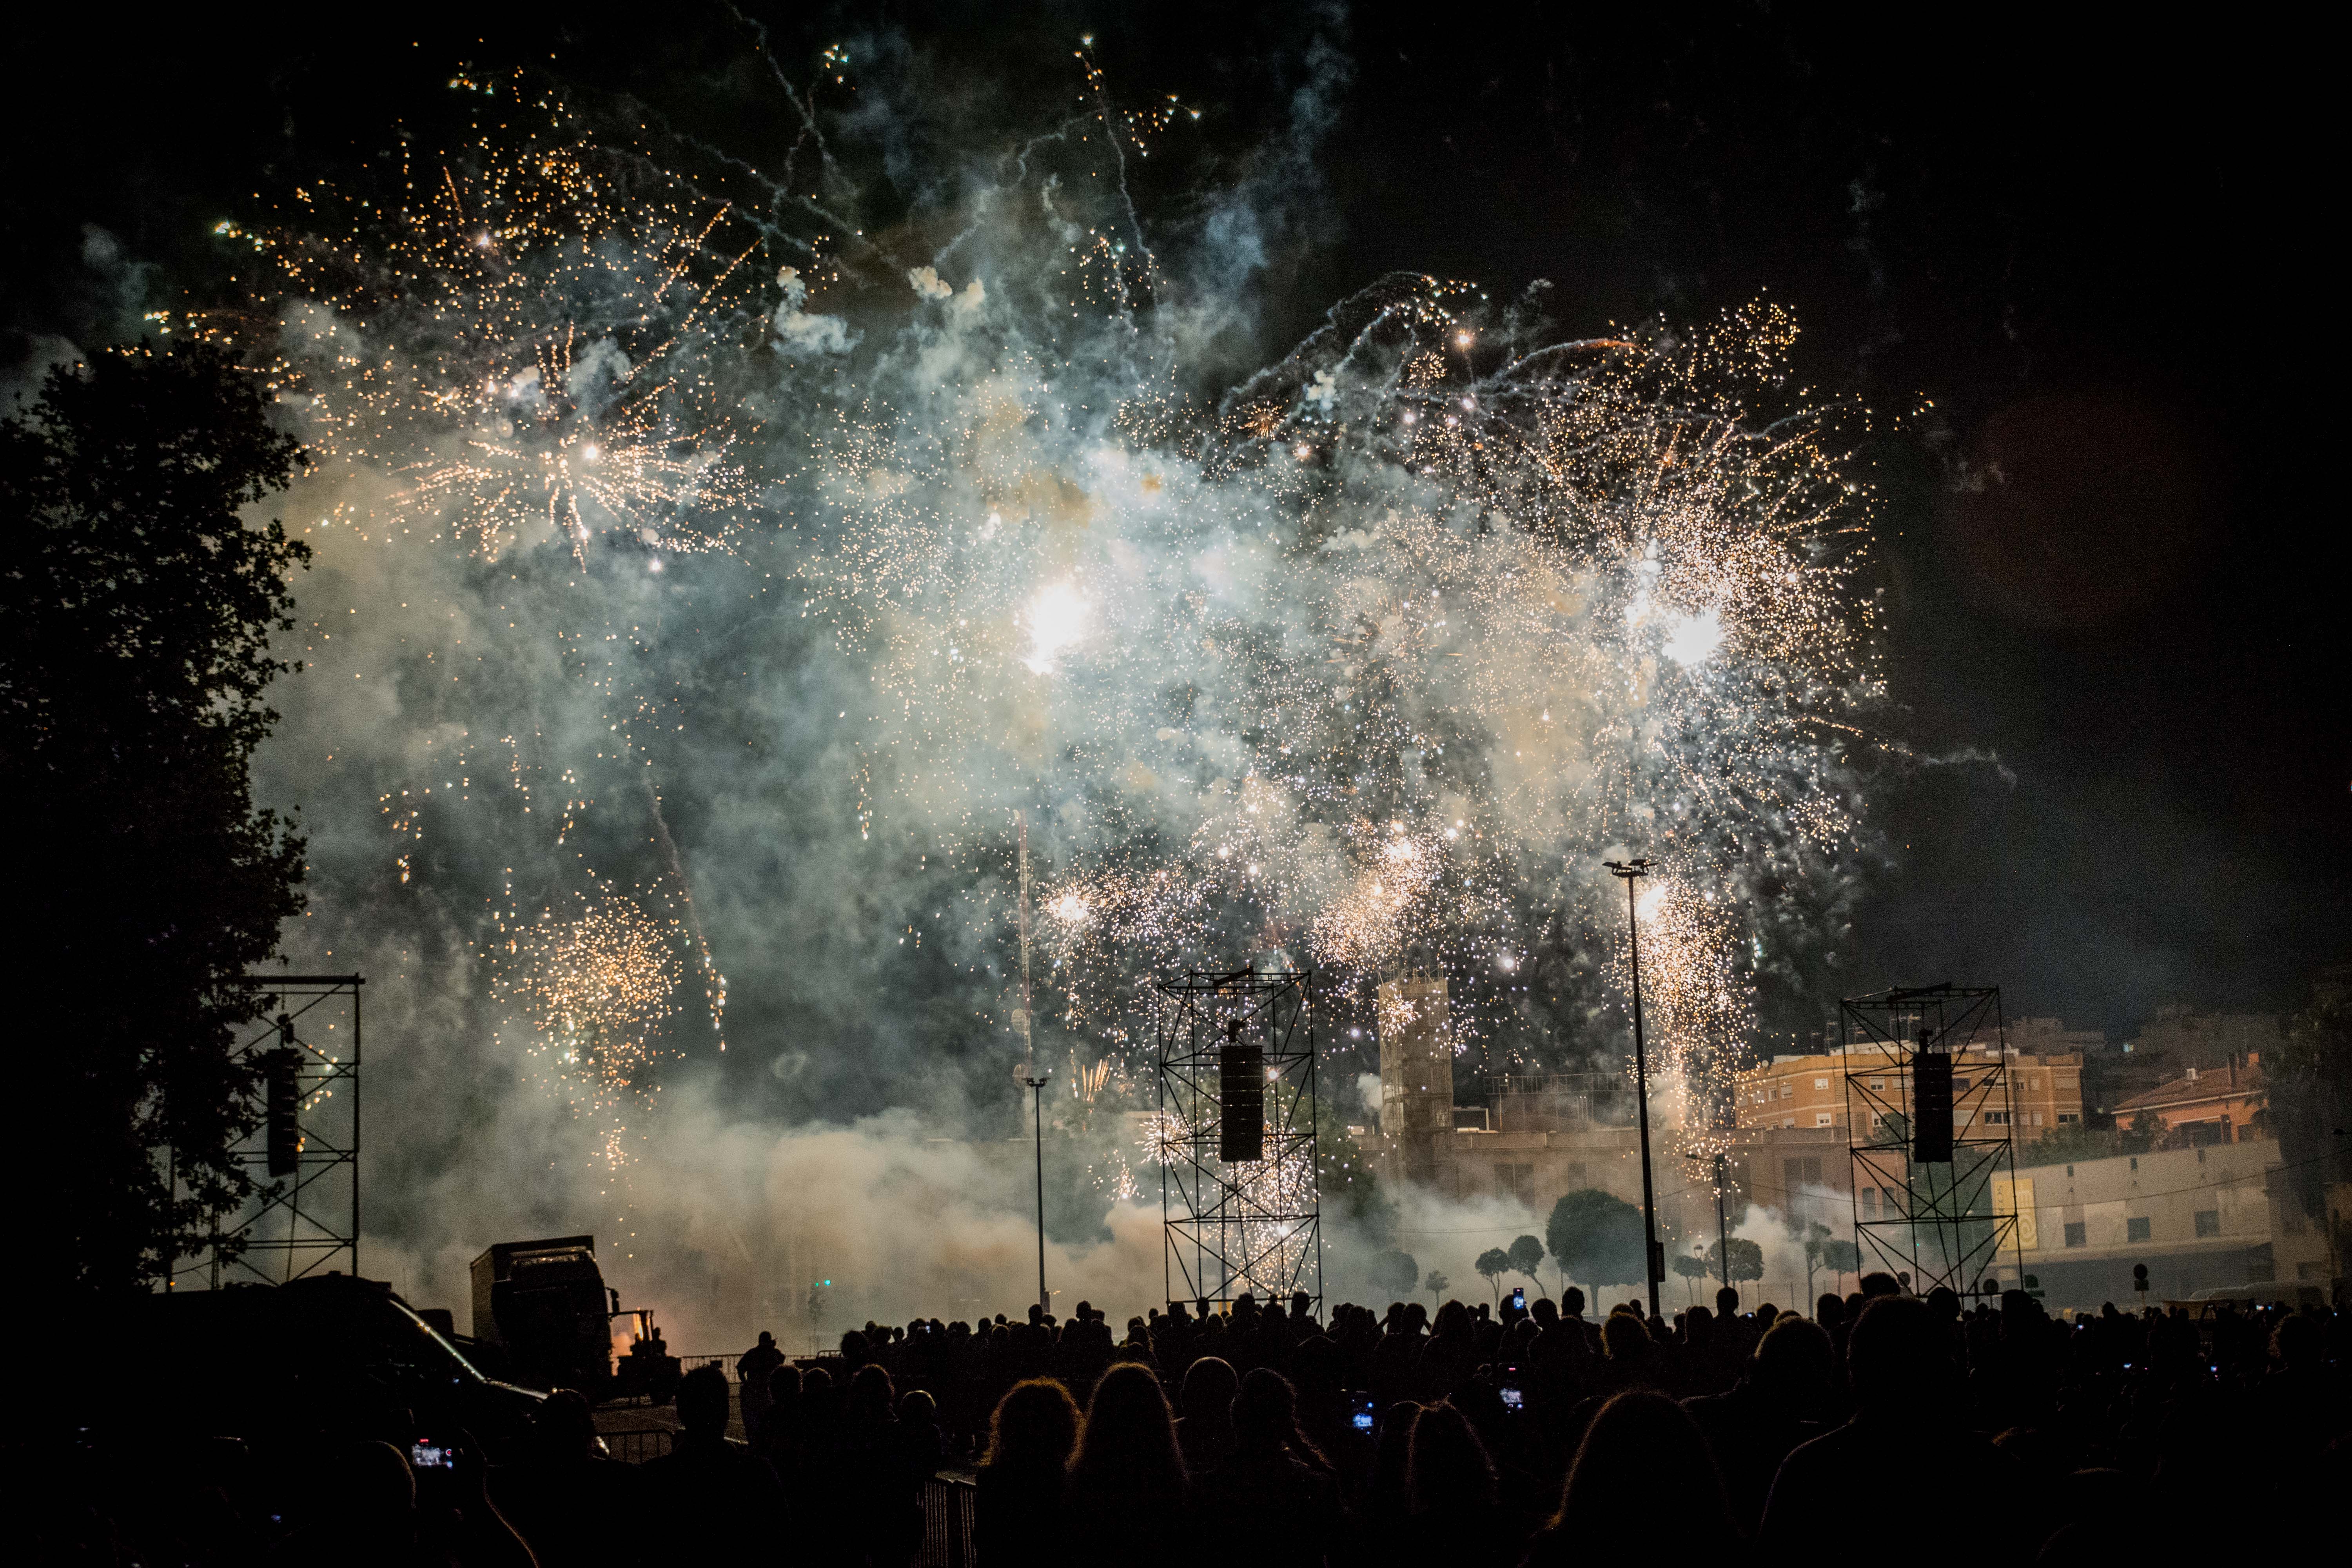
(1931, 1108)
(281, 1102)
(1241, 1098)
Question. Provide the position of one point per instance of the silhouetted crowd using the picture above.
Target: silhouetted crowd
(1943, 1430)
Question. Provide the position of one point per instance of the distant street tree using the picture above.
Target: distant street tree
(1747, 1260)
(1393, 1273)
(1693, 1269)
(1816, 1235)
(136, 609)
(1494, 1263)
(1595, 1236)
(2311, 1098)
(1437, 1285)
(1527, 1256)
(1841, 1258)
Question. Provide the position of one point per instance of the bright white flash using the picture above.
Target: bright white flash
(1693, 639)
(1057, 617)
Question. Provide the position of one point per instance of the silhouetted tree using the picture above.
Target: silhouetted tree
(1437, 1285)
(1595, 1236)
(136, 608)
(1842, 1258)
(1692, 1267)
(1494, 1263)
(1527, 1256)
(1747, 1260)
(1393, 1273)
(1816, 1235)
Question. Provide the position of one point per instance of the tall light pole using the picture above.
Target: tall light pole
(1627, 871)
(1722, 1228)
(1028, 1074)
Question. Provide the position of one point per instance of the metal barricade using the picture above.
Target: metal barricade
(636, 1444)
(947, 1524)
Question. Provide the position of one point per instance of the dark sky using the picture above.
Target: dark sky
(2108, 550)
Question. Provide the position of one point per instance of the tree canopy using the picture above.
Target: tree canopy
(1595, 1236)
(134, 652)
(1747, 1260)
(1493, 1263)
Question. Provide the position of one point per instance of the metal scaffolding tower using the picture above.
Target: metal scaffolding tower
(304, 1154)
(1941, 1221)
(1234, 1223)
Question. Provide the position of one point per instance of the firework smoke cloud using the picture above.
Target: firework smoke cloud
(704, 584)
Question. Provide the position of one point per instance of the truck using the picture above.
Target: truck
(544, 1315)
(326, 1355)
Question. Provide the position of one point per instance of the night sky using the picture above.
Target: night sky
(2071, 272)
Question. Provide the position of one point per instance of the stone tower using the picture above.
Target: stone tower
(1416, 1075)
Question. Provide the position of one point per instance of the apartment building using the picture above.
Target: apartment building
(2197, 1217)
(2046, 1093)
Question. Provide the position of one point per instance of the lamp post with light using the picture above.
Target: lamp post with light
(1627, 871)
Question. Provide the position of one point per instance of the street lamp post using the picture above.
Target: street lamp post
(1627, 871)
(1722, 1228)
(1029, 1075)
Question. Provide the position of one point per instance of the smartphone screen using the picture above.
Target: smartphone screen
(1360, 1411)
(1515, 1399)
(1518, 1298)
(426, 1454)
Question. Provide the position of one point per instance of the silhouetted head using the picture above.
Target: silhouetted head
(1266, 1411)
(702, 1402)
(1878, 1283)
(1727, 1302)
(784, 1388)
(1796, 1363)
(1896, 1357)
(1035, 1426)
(1416, 1318)
(1698, 1326)
(1449, 1469)
(1210, 1384)
(1625, 1338)
(870, 1394)
(1453, 1320)
(767, 1340)
(1643, 1463)
(1126, 1449)
(1391, 1462)
(916, 1408)
(1830, 1311)
(1545, 1311)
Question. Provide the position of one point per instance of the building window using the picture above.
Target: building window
(2068, 1117)
(1996, 1118)
(2209, 1222)
(1870, 1203)
(2140, 1229)
(1821, 1119)
(1878, 1083)
(2075, 1232)
(1788, 1122)
(1821, 1083)
(1516, 1181)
